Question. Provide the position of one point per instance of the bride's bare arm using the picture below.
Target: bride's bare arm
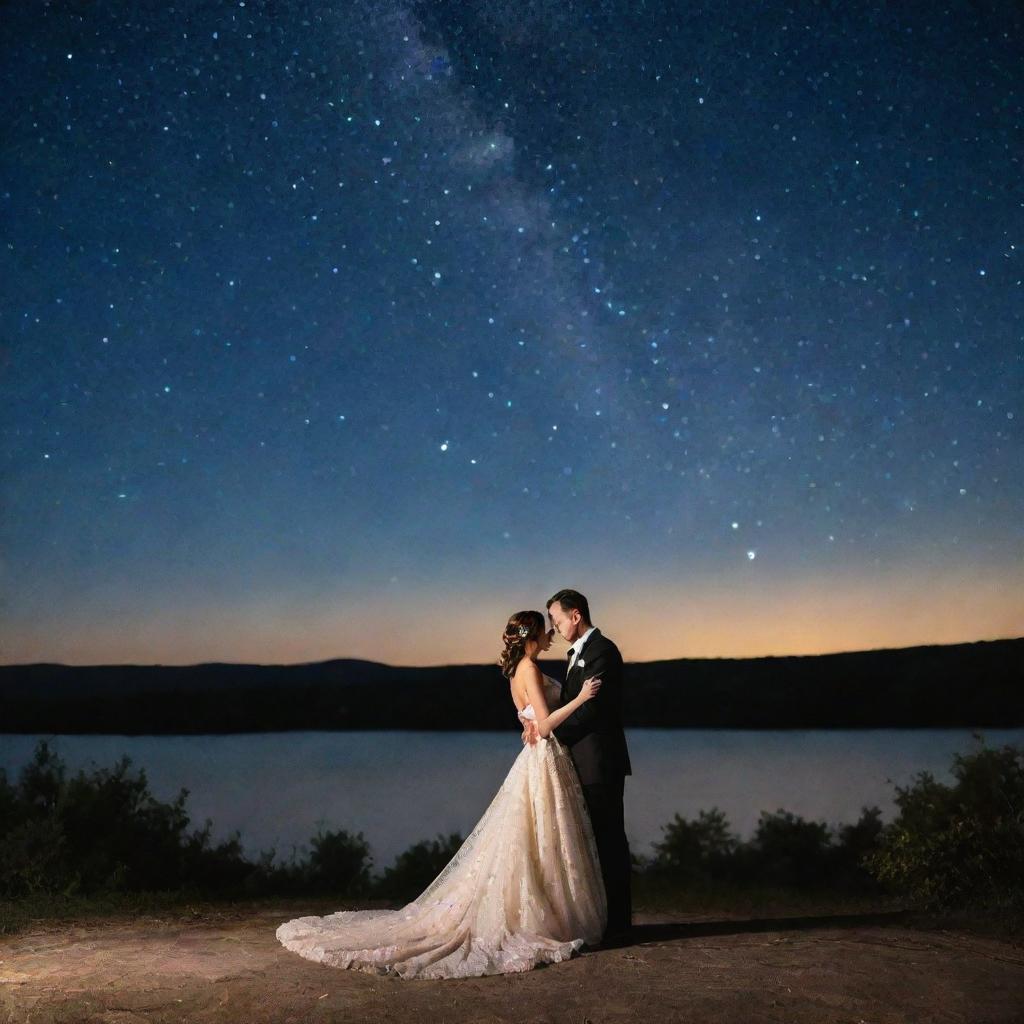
(547, 721)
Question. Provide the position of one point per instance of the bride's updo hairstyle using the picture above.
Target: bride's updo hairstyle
(521, 627)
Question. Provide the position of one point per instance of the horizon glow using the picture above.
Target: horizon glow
(320, 343)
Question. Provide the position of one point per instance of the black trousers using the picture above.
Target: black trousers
(604, 802)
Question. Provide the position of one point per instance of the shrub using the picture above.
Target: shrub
(32, 858)
(785, 850)
(340, 862)
(960, 846)
(788, 850)
(102, 832)
(417, 867)
(697, 849)
(853, 846)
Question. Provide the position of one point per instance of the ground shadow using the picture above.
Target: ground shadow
(668, 931)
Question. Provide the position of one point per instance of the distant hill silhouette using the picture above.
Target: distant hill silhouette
(958, 685)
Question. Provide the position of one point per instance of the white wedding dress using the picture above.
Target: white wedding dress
(524, 888)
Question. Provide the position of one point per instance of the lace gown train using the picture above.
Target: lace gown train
(524, 888)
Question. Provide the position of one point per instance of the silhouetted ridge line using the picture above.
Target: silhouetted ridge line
(957, 685)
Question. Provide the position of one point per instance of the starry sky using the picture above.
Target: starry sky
(347, 329)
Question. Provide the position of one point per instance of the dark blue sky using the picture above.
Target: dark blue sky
(348, 329)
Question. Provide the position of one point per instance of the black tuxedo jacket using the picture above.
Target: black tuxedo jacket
(593, 733)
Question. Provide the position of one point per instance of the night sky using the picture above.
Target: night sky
(347, 329)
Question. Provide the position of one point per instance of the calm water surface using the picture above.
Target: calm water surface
(400, 787)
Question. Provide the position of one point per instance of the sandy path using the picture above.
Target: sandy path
(856, 968)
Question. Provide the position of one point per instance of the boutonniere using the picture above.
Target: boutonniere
(579, 663)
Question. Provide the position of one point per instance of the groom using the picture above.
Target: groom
(596, 741)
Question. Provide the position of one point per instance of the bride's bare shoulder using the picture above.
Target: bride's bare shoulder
(526, 670)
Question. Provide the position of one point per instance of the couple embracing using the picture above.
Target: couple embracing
(546, 870)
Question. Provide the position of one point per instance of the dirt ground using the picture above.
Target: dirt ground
(852, 968)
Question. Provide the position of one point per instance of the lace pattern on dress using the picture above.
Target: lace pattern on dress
(524, 888)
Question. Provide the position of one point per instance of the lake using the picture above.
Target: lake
(399, 787)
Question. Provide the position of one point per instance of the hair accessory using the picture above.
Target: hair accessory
(524, 631)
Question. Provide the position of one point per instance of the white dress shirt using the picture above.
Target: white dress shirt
(574, 651)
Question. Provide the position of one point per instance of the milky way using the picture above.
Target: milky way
(347, 329)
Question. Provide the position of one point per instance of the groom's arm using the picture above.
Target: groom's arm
(607, 665)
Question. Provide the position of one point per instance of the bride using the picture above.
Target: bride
(525, 887)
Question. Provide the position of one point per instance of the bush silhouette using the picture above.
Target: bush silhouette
(960, 846)
(785, 850)
(102, 832)
(788, 850)
(854, 845)
(417, 867)
(340, 863)
(697, 849)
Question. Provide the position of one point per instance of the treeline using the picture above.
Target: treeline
(101, 832)
(953, 686)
